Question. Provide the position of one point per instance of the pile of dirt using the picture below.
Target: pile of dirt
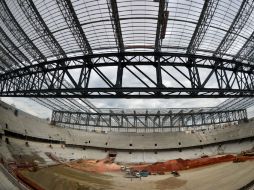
(180, 164)
(170, 165)
(95, 166)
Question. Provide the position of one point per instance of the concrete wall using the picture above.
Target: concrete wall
(141, 145)
(18, 147)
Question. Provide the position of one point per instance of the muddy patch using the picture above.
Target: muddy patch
(170, 183)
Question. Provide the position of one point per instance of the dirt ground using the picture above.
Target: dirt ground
(226, 176)
(65, 178)
(94, 165)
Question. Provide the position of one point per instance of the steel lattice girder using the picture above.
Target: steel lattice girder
(160, 24)
(74, 25)
(118, 120)
(12, 48)
(217, 77)
(18, 33)
(113, 10)
(40, 27)
(236, 103)
(6, 61)
(203, 24)
(247, 50)
(37, 22)
(236, 27)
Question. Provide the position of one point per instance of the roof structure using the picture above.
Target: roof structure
(35, 31)
(69, 28)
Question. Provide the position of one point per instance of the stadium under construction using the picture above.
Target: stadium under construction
(195, 58)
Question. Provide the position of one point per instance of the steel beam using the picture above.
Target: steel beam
(23, 61)
(227, 78)
(161, 22)
(43, 31)
(74, 25)
(247, 50)
(113, 11)
(51, 104)
(236, 27)
(6, 60)
(15, 29)
(35, 19)
(139, 120)
(229, 104)
(13, 49)
(203, 24)
(236, 103)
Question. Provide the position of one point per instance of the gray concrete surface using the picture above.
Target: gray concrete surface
(170, 145)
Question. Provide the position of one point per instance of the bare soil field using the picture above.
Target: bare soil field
(226, 176)
(63, 177)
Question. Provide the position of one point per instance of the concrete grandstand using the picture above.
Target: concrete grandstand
(44, 139)
(189, 63)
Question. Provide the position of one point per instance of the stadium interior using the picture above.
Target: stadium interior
(126, 94)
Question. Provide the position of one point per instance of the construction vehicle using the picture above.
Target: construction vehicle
(175, 173)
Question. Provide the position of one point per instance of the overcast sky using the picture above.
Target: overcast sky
(36, 109)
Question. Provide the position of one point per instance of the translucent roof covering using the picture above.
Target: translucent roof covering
(36, 27)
